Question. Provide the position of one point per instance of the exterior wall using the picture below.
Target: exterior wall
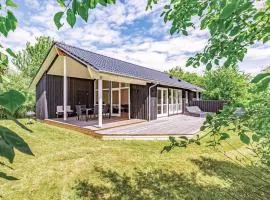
(139, 102)
(49, 94)
(41, 99)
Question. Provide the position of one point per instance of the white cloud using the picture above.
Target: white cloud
(108, 32)
(32, 4)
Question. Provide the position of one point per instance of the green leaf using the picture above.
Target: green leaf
(6, 150)
(71, 18)
(75, 6)
(173, 30)
(93, 3)
(61, 3)
(255, 138)
(10, 140)
(57, 19)
(228, 10)
(83, 12)
(235, 30)
(185, 32)
(263, 84)
(102, 2)
(224, 136)
(259, 77)
(10, 3)
(244, 138)
(11, 53)
(11, 100)
(208, 66)
(11, 20)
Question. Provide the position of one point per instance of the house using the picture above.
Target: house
(71, 76)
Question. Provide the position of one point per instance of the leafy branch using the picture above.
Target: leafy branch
(74, 8)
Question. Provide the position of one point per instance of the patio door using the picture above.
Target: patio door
(175, 101)
(115, 106)
(162, 105)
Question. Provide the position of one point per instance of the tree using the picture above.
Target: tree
(187, 76)
(29, 60)
(226, 84)
(233, 25)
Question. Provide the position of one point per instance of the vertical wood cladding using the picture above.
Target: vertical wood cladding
(41, 100)
(139, 102)
(49, 94)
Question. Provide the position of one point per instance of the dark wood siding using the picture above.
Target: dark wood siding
(208, 105)
(139, 102)
(54, 93)
(153, 103)
(41, 100)
(80, 91)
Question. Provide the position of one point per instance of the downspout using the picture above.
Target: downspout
(149, 101)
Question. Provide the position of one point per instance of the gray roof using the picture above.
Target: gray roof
(111, 65)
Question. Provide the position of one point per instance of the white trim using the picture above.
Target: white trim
(119, 100)
(186, 97)
(129, 102)
(100, 102)
(197, 96)
(162, 102)
(65, 88)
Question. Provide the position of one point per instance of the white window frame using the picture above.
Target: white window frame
(111, 91)
(177, 107)
(162, 103)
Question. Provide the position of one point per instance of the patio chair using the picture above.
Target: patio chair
(79, 112)
(94, 113)
(59, 111)
(106, 110)
(69, 111)
(83, 107)
(195, 111)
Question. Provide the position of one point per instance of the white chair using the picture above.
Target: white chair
(59, 111)
(69, 109)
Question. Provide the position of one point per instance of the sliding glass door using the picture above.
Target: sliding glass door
(175, 101)
(162, 104)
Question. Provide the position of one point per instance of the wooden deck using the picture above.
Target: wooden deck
(134, 129)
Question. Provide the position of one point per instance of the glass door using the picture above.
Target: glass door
(115, 107)
(162, 104)
(180, 101)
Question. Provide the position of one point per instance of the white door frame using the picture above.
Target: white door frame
(162, 103)
(119, 101)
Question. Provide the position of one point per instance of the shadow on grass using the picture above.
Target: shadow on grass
(9, 178)
(159, 184)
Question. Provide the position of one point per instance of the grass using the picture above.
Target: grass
(70, 165)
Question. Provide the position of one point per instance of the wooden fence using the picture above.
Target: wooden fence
(208, 105)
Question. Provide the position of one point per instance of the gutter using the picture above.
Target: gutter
(149, 101)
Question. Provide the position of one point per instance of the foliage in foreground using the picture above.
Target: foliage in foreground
(233, 25)
(250, 120)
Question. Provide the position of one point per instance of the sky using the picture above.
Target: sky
(124, 31)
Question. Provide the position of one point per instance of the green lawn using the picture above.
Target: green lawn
(70, 165)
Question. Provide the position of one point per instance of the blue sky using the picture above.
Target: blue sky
(124, 31)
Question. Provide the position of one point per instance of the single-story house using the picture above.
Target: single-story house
(72, 76)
